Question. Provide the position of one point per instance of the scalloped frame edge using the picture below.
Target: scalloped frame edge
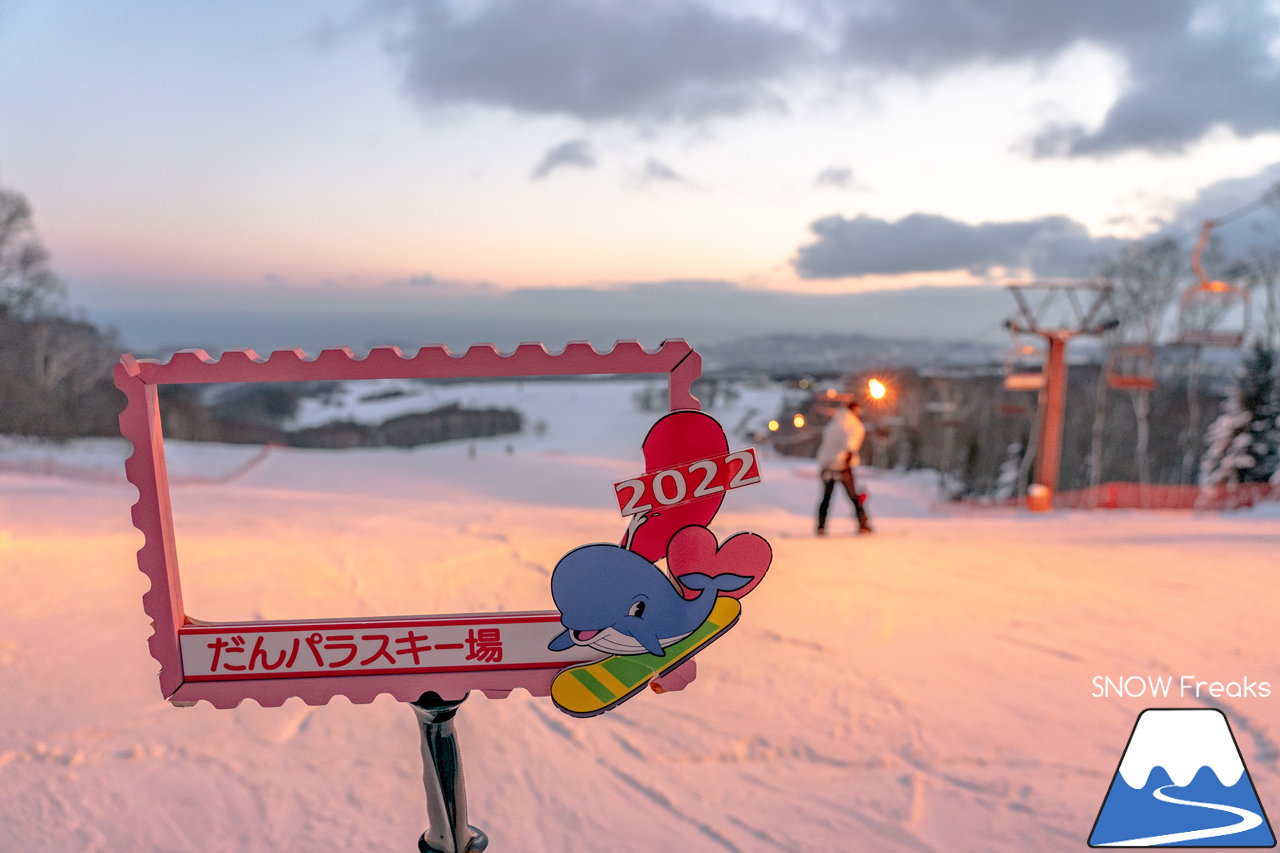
(139, 380)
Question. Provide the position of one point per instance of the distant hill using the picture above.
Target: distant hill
(706, 313)
(839, 354)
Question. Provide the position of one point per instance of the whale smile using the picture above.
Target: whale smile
(614, 642)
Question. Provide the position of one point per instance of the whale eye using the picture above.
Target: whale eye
(637, 609)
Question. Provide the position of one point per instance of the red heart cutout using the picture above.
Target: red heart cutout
(694, 549)
(677, 438)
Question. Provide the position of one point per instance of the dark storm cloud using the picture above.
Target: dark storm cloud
(596, 60)
(1050, 246)
(1191, 65)
(927, 38)
(576, 153)
(1180, 92)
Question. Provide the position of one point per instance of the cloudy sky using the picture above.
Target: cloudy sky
(229, 172)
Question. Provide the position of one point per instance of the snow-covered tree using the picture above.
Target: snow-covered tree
(1244, 442)
(1009, 476)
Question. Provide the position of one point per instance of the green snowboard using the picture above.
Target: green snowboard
(593, 688)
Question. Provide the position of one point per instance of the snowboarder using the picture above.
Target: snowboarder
(837, 455)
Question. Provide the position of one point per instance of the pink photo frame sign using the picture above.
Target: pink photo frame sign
(315, 660)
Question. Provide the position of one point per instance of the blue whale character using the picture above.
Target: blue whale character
(617, 602)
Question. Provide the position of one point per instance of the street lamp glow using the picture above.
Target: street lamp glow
(773, 426)
(798, 421)
(876, 389)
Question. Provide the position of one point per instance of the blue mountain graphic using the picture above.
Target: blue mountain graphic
(1133, 813)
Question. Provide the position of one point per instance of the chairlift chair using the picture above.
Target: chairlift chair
(1211, 313)
(1131, 368)
(1023, 368)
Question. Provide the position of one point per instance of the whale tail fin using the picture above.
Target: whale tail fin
(720, 583)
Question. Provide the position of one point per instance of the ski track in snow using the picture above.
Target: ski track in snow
(926, 688)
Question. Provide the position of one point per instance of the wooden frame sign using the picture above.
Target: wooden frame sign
(315, 660)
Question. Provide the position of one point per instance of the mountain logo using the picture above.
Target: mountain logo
(1181, 783)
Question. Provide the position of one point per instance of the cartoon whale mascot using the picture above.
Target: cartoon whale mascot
(619, 603)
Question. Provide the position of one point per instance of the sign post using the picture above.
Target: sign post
(592, 653)
(448, 830)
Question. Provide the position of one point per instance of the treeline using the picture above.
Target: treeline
(262, 414)
(56, 375)
(55, 369)
(981, 438)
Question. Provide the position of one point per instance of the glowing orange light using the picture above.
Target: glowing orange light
(1216, 286)
(831, 393)
(798, 421)
(876, 389)
(773, 426)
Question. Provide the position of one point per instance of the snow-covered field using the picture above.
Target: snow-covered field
(925, 688)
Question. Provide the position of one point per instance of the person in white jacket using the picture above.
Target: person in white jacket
(837, 455)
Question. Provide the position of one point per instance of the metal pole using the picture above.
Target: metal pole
(1055, 392)
(1191, 444)
(448, 830)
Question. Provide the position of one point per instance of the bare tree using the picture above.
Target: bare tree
(28, 288)
(54, 370)
(1261, 270)
(1145, 280)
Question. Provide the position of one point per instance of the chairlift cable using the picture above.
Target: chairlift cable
(1267, 198)
(1271, 196)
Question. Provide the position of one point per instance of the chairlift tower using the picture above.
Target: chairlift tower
(1057, 312)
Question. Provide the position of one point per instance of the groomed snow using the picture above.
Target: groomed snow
(927, 688)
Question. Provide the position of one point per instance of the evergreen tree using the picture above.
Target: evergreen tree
(1244, 442)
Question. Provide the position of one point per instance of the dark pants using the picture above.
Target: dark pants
(829, 480)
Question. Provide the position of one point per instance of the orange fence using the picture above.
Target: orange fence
(1149, 496)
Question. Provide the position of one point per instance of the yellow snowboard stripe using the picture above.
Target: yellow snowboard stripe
(591, 687)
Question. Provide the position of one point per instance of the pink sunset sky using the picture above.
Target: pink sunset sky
(259, 162)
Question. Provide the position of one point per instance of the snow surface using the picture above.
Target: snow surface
(927, 688)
